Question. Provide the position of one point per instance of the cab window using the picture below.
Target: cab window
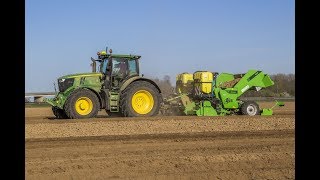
(132, 67)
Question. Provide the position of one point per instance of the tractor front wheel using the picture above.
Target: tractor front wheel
(250, 108)
(82, 103)
(59, 113)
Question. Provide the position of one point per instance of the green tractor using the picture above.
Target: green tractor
(206, 93)
(117, 87)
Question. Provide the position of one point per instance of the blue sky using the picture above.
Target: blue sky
(172, 36)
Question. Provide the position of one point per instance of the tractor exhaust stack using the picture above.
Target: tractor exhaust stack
(93, 65)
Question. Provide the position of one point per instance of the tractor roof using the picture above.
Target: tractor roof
(124, 56)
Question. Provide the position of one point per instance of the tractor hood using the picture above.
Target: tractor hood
(68, 83)
(79, 75)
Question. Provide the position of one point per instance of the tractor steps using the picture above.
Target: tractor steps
(114, 101)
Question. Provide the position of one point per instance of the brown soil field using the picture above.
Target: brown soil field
(161, 147)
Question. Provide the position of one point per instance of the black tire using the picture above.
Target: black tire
(59, 113)
(70, 105)
(250, 108)
(126, 106)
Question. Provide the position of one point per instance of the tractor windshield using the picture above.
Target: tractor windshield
(124, 67)
(119, 66)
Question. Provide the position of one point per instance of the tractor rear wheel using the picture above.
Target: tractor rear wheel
(250, 108)
(59, 113)
(140, 98)
(82, 103)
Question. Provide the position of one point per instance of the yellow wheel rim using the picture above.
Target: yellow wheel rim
(142, 102)
(84, 106)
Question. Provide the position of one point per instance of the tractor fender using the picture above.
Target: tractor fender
(138, 78)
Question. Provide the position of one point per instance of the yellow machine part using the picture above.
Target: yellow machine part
(142, 102)
(184, 82)
(185, 78)
(203, 81)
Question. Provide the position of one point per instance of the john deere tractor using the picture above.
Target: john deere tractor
(116, 87)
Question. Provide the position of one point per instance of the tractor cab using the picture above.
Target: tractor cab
(116, 68)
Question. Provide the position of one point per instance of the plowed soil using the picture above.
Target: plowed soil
(161, 147)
